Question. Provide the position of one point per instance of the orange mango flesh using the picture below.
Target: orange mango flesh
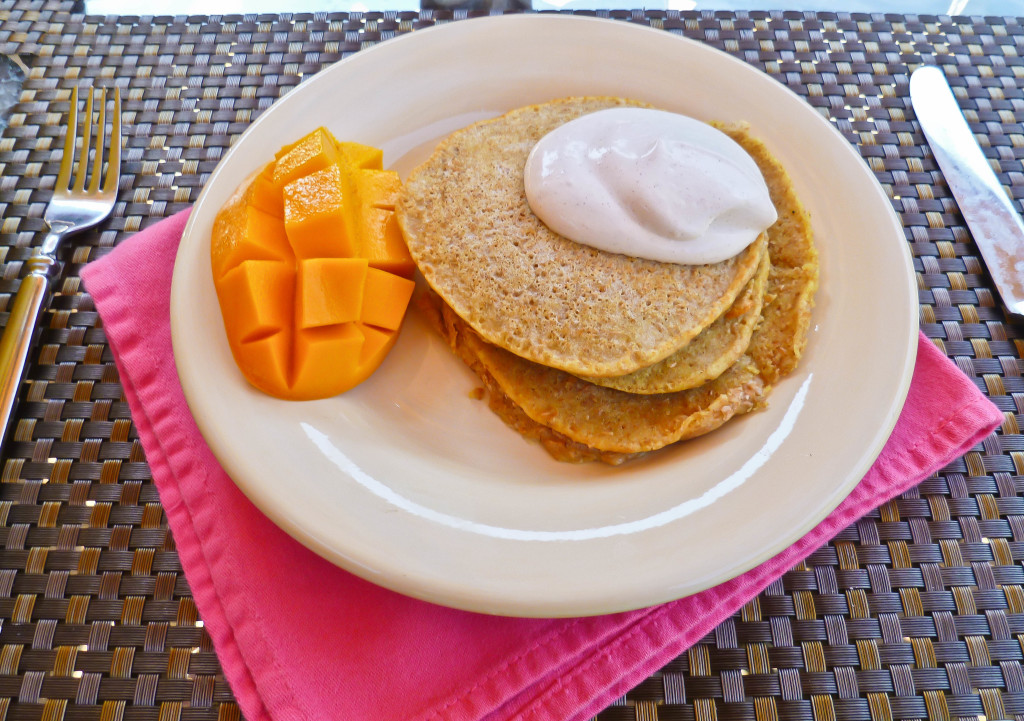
(317, 218)
(312, 275)
(331, 291)
(312, 153)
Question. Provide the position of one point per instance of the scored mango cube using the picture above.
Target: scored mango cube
(266, 236)
(314, 152)
(317, 355)
(362, 156)
(376, 344)
(265, 360)
(247, 233)
(265, 196)
(378, 188)
(331, 291)
(316, 217)
(246, 290)
(383, 244)
(388, 296)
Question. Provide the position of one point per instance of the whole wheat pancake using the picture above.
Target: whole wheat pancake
(521, 286)
(576, 420)
(709, 354)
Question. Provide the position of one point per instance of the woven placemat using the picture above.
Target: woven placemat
(916, 612)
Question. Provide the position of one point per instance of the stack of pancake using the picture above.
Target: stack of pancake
(597, 355)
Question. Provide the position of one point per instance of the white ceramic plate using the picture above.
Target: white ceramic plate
(409, 482)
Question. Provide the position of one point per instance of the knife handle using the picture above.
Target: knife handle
(16, 343)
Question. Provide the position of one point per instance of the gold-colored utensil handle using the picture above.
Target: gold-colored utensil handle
(16, 342)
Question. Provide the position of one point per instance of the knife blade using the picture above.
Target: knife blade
(994, 222)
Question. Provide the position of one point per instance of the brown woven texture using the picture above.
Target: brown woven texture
(915, 612)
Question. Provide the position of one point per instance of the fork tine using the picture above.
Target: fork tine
(114, 161)
(101, 134)
(64, 176)
(83, 158)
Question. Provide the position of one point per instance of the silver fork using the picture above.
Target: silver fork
(72, 209)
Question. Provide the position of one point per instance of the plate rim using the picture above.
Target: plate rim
(413, 586)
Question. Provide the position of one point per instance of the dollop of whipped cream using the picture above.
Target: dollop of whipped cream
(650, 184)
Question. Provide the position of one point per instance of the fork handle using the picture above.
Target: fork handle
(16, 342)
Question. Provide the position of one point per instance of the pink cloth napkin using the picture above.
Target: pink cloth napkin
(299, 638)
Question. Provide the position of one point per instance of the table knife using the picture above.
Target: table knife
(994, 222)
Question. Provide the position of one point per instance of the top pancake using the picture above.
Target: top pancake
(533, 292)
